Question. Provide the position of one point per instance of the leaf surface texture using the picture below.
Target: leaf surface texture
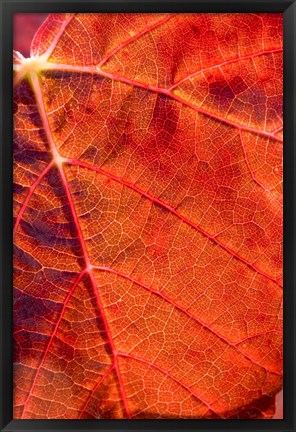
(148, 217)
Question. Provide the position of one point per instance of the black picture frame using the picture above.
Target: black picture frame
(7, 9)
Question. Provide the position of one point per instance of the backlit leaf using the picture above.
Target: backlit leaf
(148, 217)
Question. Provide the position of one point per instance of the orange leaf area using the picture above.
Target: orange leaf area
(148, 217)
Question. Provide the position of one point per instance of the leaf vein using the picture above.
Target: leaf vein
(173, 211)
(186, 312)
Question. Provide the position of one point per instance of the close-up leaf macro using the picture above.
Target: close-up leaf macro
(148, 174)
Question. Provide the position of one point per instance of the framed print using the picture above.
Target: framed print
(147, 216)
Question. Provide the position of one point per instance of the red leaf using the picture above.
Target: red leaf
(148, 217)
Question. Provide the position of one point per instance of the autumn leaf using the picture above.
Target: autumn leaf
(148, 217)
